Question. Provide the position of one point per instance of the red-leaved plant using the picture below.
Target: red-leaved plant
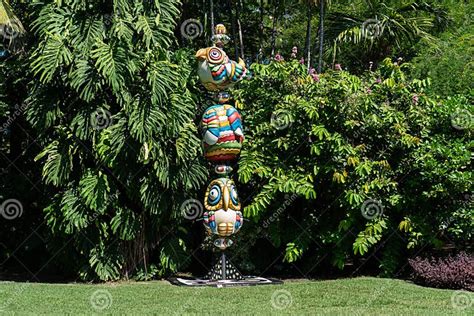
(452, 272)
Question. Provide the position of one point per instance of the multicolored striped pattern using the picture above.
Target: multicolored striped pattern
(227, 72)
(222, 133)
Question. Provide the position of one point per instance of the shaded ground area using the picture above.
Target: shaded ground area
(364, 296)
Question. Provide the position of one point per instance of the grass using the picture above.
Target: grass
(358, 296)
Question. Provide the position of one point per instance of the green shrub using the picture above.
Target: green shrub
(120, 148)
(376, 164)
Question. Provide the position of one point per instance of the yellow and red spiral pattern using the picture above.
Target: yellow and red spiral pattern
(215, 56)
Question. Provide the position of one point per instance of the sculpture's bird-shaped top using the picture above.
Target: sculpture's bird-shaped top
(216, 71)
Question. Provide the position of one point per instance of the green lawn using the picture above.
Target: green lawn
(358, 296)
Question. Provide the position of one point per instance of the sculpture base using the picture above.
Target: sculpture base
(223, 270)
(223, 274)
(246, 281)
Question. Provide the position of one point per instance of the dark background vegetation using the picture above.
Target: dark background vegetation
(387, 118)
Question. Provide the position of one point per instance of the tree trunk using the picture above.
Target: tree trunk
(212, 17)
(308, 36)
(241, 39)
(262, 28)
(274, 30)
(321, 35)
(234, 30)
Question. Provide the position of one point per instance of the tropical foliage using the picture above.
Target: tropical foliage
(360, 164)
(366, 157)
(115, 120)
(449, 62)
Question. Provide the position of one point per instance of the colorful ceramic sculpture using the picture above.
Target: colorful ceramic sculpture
(216, 71)
(222, 142)
(220, 38)
(223, 216)
(222, 133)
(223, 170)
